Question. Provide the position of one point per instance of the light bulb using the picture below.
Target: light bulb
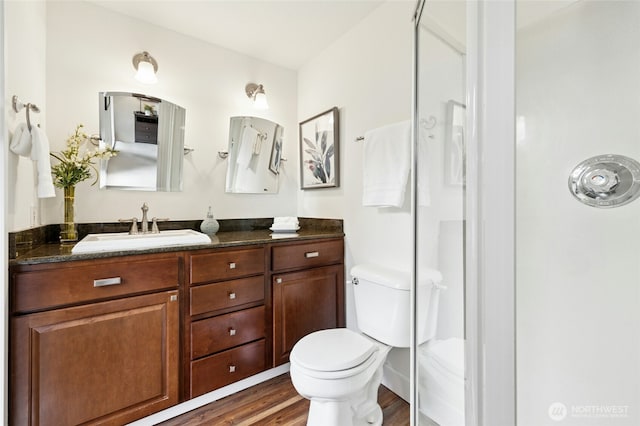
(260, 101)
(146, 74)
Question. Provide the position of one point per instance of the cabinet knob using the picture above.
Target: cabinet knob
(232, 368)
(278, 280)
(232, 265)
(232, 331)
(232, 295)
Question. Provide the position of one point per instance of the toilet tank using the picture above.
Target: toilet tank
(383, 303)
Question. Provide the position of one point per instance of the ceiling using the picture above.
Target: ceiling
(283, 32)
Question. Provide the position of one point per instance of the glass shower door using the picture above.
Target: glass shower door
(439, 213)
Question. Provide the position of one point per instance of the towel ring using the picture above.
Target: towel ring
(18, 105)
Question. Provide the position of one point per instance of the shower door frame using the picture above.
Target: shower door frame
(490, 378)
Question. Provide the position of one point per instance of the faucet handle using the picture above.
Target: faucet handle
(154, 224)
(134, 224)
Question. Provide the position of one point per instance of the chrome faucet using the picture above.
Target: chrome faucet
(144, 224)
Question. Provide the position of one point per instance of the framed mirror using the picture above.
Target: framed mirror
(148, 134)
(255, 156)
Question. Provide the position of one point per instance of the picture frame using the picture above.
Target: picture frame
(454, 147)
(276, 156)
(319, 150)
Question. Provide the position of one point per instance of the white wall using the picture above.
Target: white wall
(25, 77)
(89, 49)
(578, 294)
(367, 75)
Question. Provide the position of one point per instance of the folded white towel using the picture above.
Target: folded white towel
(386, 159)
(21, 140)
(285, 220)
(40, 154)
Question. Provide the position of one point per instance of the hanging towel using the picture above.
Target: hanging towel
(21, 141)
(247, 146)
(40, 154)
(386, 158)
(423, 193)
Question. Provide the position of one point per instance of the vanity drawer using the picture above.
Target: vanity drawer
(61, 284)
(226, 294)
(226, 367)
(227, 264)
(298, 256)
(226, 331)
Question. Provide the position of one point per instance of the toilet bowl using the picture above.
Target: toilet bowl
(441, 381)
(339, 371)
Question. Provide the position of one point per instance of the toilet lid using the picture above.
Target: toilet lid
(332, 350)
(448, 354)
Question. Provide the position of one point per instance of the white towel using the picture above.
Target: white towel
(247, 146)
(285, 220)
(40, 154)
(386, 159)
(424, 195)
(285, 223)
(21, 141)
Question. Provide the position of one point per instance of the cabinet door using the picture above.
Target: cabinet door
(104, 363)
(304, 302)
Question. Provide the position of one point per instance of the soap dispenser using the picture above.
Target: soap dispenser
(209, 225)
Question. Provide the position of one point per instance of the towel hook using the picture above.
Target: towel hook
(18, 105)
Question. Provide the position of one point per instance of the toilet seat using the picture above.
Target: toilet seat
(333, 354)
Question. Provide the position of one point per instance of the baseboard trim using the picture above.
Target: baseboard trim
(210, 397)
(396, 382)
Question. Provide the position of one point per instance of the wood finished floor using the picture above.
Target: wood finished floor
(276, 402)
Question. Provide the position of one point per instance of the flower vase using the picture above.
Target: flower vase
(68, 232)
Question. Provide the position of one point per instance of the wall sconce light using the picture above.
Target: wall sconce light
(256, 92)
(146, 68)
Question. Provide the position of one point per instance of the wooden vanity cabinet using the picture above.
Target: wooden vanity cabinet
(94, 341)
(225, 333)
(307, 292)
(145, 128)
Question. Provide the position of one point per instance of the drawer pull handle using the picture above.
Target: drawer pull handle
(232, 368)
(232, 295)
(232, 332)
(107, 281)
(232, 265)
(311, 254)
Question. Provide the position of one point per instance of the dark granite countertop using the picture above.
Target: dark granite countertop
(235, 232)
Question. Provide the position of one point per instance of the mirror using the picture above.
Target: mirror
(148, 134)
(255, 156)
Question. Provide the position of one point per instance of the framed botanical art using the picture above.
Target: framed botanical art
(319, 151)
(276, 156)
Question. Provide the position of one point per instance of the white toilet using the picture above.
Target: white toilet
(441, 381)
(340, 370)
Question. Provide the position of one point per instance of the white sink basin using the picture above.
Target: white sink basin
(124, 241)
